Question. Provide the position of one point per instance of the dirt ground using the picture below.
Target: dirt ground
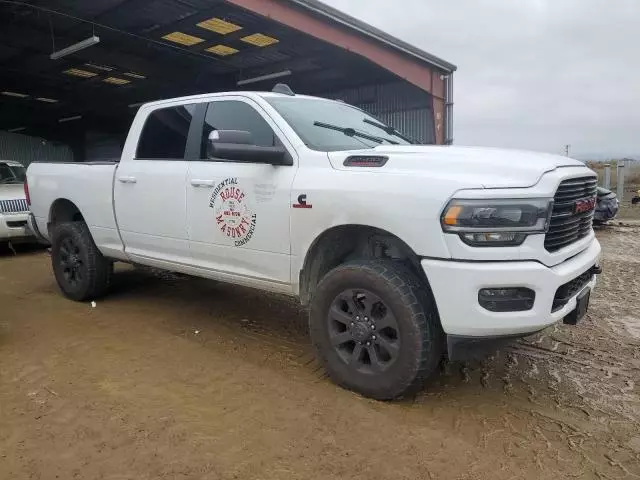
(172, 377)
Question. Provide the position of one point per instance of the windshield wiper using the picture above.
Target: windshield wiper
(349, 132)
(389, 131)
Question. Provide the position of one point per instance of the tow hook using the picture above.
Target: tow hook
(596, 270)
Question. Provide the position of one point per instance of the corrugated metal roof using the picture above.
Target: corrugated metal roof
(145, 15)
(131, 33)
(373, 32)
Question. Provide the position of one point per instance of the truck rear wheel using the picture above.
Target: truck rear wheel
(375, 328)
(82, 272)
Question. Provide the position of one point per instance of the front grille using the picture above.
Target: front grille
(567, 226)
(14, 206)
(570, 289)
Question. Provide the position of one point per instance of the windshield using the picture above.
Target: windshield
(11, 174)
(331, 126)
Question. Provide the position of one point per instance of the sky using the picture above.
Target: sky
(533, 74)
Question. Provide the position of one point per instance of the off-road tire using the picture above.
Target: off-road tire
(97, 270)
(420, 333)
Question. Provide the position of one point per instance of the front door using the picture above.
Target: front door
(150, 190)
(239, 212)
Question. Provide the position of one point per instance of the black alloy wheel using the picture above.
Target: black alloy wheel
(71, 264)
(363, 331)
(82, 272)
(375, 328)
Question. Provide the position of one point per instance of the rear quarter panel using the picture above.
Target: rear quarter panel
(89, 187)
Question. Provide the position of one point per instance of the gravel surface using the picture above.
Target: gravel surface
(175, 377)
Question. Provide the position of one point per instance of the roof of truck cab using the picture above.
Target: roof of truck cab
(248, 94)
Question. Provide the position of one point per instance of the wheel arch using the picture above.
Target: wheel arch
(64, 210)
(342, 243)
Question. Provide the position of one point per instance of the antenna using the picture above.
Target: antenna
(284, 89)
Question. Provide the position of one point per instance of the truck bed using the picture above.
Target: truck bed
(89, 184)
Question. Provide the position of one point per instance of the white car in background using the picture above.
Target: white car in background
(14, 210)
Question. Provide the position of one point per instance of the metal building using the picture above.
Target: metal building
(81, 100)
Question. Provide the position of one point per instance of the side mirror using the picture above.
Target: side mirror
(241, 137)
(237, 145)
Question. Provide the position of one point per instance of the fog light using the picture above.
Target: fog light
(517, 299)
(493, 239)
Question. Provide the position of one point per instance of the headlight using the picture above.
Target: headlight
(502, 222)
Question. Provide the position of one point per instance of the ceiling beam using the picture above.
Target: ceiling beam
(395, 62)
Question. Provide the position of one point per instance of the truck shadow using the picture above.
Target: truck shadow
(545, 372)
(203, 302)
(278, 323)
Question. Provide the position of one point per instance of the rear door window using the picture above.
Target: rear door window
(164, 135)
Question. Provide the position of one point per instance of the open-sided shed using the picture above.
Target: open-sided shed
(141, 50)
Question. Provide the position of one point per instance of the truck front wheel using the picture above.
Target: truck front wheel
(375, 328)
(82, 272)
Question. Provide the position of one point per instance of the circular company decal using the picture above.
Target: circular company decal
(233, 214)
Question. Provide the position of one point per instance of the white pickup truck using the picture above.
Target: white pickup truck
(401, 251)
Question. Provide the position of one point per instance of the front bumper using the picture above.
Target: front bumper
(13, 226)
(455, 286)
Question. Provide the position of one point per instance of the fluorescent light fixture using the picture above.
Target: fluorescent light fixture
(222, 50)
(104, 68)
(17, 129)
(260, 40)
(116, 81)
(270, 76)
(134, 75)
(76, 47)
(77, 72)
(15, 94)
(47, 100)
(70, 119)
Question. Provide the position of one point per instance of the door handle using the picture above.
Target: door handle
(127, 179)
(202, 183)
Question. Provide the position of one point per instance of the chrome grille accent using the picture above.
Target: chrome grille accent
(567, 226)
(14, 206)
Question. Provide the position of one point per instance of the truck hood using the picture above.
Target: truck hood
(476, 167)
(12, 192)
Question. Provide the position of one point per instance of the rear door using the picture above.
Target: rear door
(239, 212)
(150, 189)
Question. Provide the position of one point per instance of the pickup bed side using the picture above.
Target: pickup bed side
(73, 191)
